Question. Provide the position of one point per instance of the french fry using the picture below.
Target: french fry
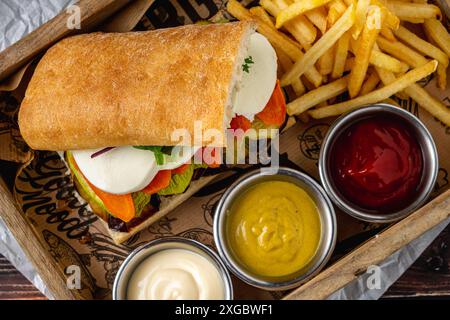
(360, 17)
(318, 17)
(439, 34)
(290, 122)
(429, 103)
(317, 96)
(371, 83)
(390, 19)
(407, 11)
(336, 9)
(362, 54)
(300, 28)
(296, 9)
(318, 49)
(262, 14)
(276, 38)
(401, 52)
(349, 64)
(340, 56)
(399, 84)
(442, 76)
(387, 77)
(382, 60)
(441, 69)
(387, 33)
(286, 64)
(325, 63)
(421, 45)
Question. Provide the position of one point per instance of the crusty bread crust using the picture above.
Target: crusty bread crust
(112, 89)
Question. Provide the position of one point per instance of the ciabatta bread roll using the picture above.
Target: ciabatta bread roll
(97, 90)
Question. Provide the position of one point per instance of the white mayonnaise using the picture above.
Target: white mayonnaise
(176, 274)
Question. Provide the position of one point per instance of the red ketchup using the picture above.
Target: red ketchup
(377, 164)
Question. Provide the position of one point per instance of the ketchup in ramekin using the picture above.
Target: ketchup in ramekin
(377, 163)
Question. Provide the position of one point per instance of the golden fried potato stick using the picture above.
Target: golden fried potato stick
(317, 96)
(390, 19)
(340, 56)
(336, 9)
(428, 49)
(318, 17)
(371, 83)
(301, 29)
(413, 11)
(421, 45)
(360, 17)
(296, 9)
(300, 23)
(378, 95)
(262, 14)
(286, 64)
(318, 49)
(387, 77)
(364, 49)
(429, 103)
(276, 38)
(325, 62)
(439, 34)
(401, 52)
(385, 61)
(387, 33)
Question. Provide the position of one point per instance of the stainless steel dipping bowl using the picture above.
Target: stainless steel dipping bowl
(119, 291)
(327, 219)
(429, 156)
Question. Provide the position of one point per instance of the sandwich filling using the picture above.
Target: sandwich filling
(126, 182)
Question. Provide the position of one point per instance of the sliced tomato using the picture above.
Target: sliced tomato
(120, 206)
(181, 169)
(274, 112)
(240, 122)
(214, 163)
(160, 181)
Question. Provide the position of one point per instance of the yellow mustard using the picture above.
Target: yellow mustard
(274, 228)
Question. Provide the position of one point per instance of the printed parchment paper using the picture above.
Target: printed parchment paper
(74, 235)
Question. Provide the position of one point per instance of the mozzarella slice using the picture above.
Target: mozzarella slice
(179, 156)
(119, 171)
(257, 85)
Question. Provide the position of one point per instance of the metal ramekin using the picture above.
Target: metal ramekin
(119, 291)
(328, 228)
(429, 155)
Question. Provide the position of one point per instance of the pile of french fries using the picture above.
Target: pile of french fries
(363, 47)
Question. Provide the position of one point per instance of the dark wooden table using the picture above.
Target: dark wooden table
(429, 276)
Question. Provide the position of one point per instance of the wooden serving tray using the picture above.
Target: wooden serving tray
(298, 146)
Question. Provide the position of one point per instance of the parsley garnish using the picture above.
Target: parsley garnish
(247, 62)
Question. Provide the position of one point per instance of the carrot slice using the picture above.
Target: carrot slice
(181, 169)
(240, 122)
(160, 181)
(120, 206)
(274, 112)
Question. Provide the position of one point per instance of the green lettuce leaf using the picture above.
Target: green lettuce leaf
(179, 182)
(140, 200)
(159, 152)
